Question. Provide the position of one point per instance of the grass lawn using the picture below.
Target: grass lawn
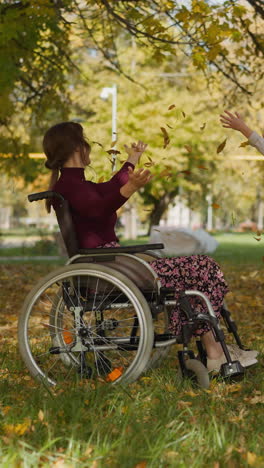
(158, 421)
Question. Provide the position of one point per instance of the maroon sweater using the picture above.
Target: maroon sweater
(93, 206)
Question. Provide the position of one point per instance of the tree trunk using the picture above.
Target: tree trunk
(160, 207)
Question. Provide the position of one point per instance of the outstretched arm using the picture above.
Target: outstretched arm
(236, 122)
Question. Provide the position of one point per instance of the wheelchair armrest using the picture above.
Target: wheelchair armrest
(127, 249)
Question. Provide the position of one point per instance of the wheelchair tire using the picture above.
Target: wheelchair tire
(114, 336)
(197, 372)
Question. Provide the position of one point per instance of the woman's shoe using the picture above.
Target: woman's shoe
(244, 357)
(234, 348)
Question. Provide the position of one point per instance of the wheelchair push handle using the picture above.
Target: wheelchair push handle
(44, 195)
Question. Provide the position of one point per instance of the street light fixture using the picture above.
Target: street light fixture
(106, 92)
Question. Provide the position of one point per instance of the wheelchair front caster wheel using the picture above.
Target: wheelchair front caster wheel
(197, 372)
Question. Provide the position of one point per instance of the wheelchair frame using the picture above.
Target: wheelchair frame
(138, 285)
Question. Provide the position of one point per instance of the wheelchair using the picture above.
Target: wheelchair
(105, 316)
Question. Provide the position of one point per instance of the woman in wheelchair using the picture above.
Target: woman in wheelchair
(93, 207)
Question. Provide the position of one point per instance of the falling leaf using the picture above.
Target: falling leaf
(41, 415)
(147, 210)
(97, 143)
(156, 230)
(257, 238)
(203, 126)
(184, 115)
(149, 164)
(113, 143)
(188, 148)
(169, 126)
(101, 179)
(171, 106)
(149, 158)
(165, 136)
(203, 167)
(243, 144)
(215, 205)
(221, 146)
(185, 172)
(113, 151)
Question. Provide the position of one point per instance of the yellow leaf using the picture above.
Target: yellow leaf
(171, 106)
(221, 146)
(101, 180)
(165, 137)
(41, 415)
(215, 205)
(251, 458)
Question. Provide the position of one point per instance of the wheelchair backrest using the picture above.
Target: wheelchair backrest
(64, 219)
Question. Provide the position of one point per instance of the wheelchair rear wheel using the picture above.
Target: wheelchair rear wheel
(86, 321)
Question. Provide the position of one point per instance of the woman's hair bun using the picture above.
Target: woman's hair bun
(52, 166)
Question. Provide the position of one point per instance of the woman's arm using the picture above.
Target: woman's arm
(237, 123)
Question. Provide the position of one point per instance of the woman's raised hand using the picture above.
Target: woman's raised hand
(139, 178)
(236, 122)
(136, 180)
(135, 151)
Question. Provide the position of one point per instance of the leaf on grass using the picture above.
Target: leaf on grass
(215, 205)
(257, 399)
(203, 126)
(165, 137)
(171, 106)
(41, 415)
(112, 151)
(141, 464)
(184, 404)
(243, 144)
(251, 458)
(97, 143)
(221, 146)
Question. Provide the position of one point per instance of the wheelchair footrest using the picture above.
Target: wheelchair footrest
(231, 369)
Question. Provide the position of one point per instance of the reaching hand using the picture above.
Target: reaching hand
(236, 122)
(138, 178)
(232, 121)
(135, 151)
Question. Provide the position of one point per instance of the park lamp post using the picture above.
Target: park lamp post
(106, 92)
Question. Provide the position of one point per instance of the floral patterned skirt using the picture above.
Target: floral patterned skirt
(194, 272)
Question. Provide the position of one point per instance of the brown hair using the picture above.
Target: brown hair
(59, 143)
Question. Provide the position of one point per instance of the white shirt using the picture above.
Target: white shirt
(256, 140)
